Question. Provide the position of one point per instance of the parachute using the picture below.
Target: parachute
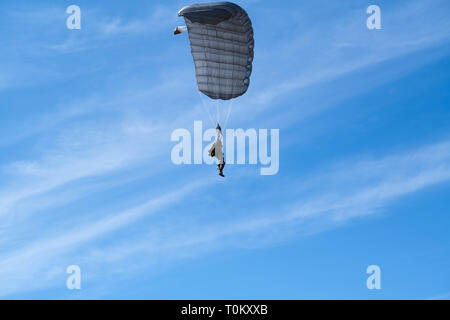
(222, 44)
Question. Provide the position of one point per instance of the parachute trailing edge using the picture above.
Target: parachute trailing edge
(222, 46)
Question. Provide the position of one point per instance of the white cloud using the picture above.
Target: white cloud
(377, 183)
(15, 270)
(319, 54)
(159, 19)
(443, 296)
(116, 145)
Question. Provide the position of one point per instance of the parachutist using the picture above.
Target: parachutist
(222, 46)
(216, 151)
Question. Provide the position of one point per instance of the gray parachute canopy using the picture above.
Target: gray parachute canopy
(221, 37)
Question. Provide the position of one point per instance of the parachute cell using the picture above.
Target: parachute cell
(221, 37)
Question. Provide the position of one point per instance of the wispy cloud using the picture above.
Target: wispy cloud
(159, 19)
(443, 296)
(412, 29)
(125, 127)
(378, 183)
(45, 250)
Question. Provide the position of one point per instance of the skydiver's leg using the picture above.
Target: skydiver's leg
(220, 167)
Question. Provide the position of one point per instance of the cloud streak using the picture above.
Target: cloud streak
(125, 128)
(378, 183)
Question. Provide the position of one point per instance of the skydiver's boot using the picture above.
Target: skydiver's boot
(220, 167)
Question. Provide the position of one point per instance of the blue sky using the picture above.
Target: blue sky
(86, 177)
